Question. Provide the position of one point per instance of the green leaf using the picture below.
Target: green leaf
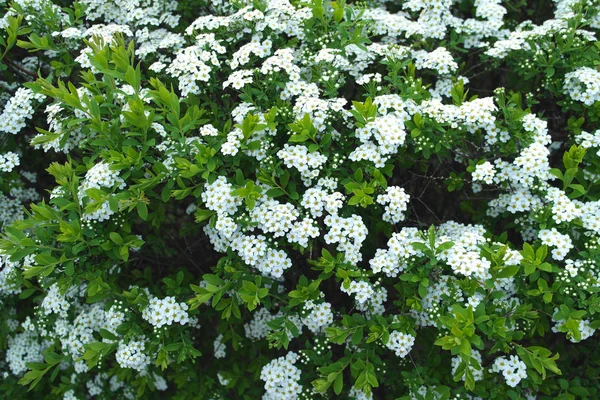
(203, 215)
(142, 210)
(508, 271)
(275, 192)
(116, 238)
(338, 384)
(357, 336)
(69, 268)
(443, 247)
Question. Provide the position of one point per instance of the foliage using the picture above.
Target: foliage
(299, 199)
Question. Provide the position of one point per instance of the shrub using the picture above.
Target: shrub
(299, 199)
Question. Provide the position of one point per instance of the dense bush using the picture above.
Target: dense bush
(213, 199)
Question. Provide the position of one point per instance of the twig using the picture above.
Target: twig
(20, 68)
(430, 210)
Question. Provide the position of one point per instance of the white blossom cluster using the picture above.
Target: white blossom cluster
(395, 200)
(273, 217)
(386, 262)
(11, 205)
(70, 395)
(380, 139)
(530, 168)
(439, 60)
(239, 79)
(463, 257)
(484, 172)
(302, 231)
(526, 36)
(318, 317)
(561, 242)
(316, 199)
(148, 21)
(319, 110)
(359, 394)
(23, 348)
(584, 328)
(349, 234)
(512, 368)
(100, 176)
(282, 60)
(433, 19)
(309, 164)
(208, 130)
(18, 110)
(8, 161)
(361, 290)
(257, 327)
(142, 12)
(219, 197)
(472, 115)
(583, 85)
(222, 379)
(589, 140)
(133, 355)
(55, 302)
(75, 335)
(257, 47)
(282, 378)
(254, 251)
(400, 343)
(220, 351)
(160, 312)
(114, 317)
(279, 220)
(375, 303)
(392, 260)
(565, 209)
(195, 63)
(270, 216)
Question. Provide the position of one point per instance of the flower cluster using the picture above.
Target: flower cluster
(219, 197)
(219, 347)
(562, 243)
(165, 311)
(308, 164)
(484, 172)
(400, 343)
(318, 316)
(132, 355)
(18, 110)
(583, 85)
(395, 200)
(281, 378)
(513, 369)
(439, 60)
(9, 161)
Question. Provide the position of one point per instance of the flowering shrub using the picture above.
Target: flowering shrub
(287, 199)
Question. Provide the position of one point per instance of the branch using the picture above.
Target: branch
(20, 68)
